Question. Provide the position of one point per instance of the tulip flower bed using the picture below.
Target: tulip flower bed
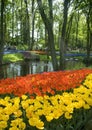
(59, 100)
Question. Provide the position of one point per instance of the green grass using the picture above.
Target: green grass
(44, 57)
(12, 57)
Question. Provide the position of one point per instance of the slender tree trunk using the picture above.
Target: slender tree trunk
(88, 40)
(2, 39)
(17, 30)
(2, 32)
(46, 43)
(13, 21)
(46, 37)
(21, 25)
(89, 34)
(63, 36)
(77, 24)
(49, 29)
(33, 22)
(69, 30)
(51, 12)
(27, 33)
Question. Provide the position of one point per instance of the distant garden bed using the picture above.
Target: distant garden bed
(49, 101)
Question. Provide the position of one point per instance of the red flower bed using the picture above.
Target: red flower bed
(47, 82)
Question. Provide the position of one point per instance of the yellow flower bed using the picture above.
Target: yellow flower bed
(20, 113)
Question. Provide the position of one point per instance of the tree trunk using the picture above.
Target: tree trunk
(2, 32)
(46, 38)
(27, 25)
(77, 25)
(21, 24)
(33, 22)
(51, 12)
(13, 18)
(88, 41)
(63, 36)
(49, 29)
(69, 29)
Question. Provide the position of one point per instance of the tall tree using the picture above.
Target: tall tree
(89, 32)
(13, 19)
(33, 22)
(27, 25)
(77, 25)
(69, 26)
(63, 35)
(86, 8)
(49, 27)
(2, 31)
(21, 21)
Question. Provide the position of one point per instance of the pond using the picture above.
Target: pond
(32, 67)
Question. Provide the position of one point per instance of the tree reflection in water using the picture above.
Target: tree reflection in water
(24, 68)
(31, 67)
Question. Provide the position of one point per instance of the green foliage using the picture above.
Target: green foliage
(12, 57)
(41, 41)
(87, 60)
(22, 47)
(45, 58)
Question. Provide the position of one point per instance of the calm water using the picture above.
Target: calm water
(24, 68)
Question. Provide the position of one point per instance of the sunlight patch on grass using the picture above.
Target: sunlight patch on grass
(12, 57)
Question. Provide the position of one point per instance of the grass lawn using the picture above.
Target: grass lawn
(12, 57)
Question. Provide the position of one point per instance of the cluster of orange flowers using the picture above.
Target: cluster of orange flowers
(41, 84)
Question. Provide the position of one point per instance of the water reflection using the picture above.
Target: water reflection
(24, 68)
(35, 67)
